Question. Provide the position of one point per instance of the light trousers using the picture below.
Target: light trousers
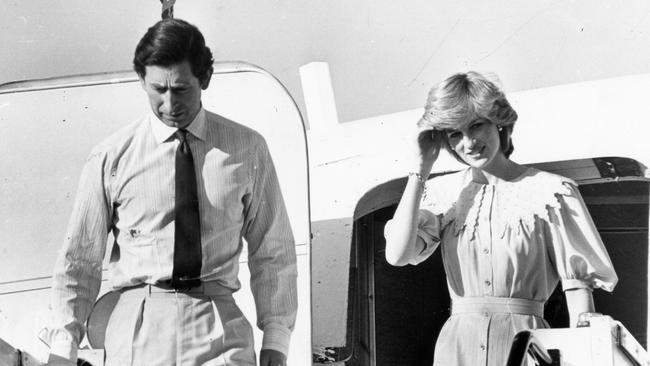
(154, 326)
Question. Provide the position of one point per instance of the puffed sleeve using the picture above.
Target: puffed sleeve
(429, 232)
(428, 229)
(579, 253)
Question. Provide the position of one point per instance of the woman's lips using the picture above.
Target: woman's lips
(476, 152)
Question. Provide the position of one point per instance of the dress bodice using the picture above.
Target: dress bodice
(513, 239)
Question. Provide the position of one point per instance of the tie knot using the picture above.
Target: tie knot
(181, 135)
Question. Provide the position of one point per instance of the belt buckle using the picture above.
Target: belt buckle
(183, 286)
(183, 289)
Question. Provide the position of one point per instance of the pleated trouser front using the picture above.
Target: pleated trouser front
(150, 326)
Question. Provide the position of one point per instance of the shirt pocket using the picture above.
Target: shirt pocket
(141, 257)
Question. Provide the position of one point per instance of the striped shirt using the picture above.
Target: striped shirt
(127, 188)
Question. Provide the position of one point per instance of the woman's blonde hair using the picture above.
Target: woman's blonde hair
(464, 97)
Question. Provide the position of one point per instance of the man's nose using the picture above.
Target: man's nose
(168, 99)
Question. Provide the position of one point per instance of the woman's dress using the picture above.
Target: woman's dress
(504, 248)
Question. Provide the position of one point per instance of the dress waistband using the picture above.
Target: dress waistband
(209, 288)
(464, 305)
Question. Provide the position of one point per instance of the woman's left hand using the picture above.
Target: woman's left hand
(271, 357)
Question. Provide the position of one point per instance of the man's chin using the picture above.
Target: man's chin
(174, 122)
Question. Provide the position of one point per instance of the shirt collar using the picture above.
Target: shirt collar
(162, 132)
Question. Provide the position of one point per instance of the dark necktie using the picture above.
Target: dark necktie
(187, 237)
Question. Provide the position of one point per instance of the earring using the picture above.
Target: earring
(500, 128)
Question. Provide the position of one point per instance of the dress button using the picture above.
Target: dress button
(486, 250)
(487, 283)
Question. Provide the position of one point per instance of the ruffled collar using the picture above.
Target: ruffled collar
(459, 199)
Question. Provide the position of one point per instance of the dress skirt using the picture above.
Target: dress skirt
(480, 330)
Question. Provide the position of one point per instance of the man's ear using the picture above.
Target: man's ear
(142, 84)
(206, 79)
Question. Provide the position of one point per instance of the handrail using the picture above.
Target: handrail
(70, 81)
(117, 77)
(525, 343)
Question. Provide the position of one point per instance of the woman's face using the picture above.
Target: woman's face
(477, 143)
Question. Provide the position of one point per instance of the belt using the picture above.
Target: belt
(465, 305)
(103, 308)
(209, 288)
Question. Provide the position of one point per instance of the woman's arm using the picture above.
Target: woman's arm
(581, 258)
(578, 301)
(402, 242)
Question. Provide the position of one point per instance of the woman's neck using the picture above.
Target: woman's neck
(499, 171)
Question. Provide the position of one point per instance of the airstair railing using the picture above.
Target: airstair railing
(525, 344)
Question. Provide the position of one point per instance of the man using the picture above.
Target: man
(178, 189)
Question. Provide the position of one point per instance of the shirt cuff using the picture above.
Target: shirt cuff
(276, 337)
(572, 284)
(64, 347)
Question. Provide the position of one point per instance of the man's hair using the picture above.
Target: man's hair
(172, 41)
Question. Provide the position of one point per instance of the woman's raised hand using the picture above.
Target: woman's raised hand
(428, 144)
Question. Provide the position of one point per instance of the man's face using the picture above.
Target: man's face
(174, 93)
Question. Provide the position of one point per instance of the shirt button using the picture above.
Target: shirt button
(486, 314)
(486, 250)
(482, 347)
(487, 283)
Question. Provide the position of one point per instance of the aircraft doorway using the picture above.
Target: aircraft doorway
(409, 304)
(397, 312)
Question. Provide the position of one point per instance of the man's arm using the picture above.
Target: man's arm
(77, 272)
(272, 256)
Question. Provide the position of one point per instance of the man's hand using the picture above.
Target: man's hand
(271, 357)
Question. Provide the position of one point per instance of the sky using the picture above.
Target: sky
(383, 55)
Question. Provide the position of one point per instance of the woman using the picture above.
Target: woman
(508, 233)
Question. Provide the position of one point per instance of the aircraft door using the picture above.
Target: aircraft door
(253, 97)
(50, 128)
